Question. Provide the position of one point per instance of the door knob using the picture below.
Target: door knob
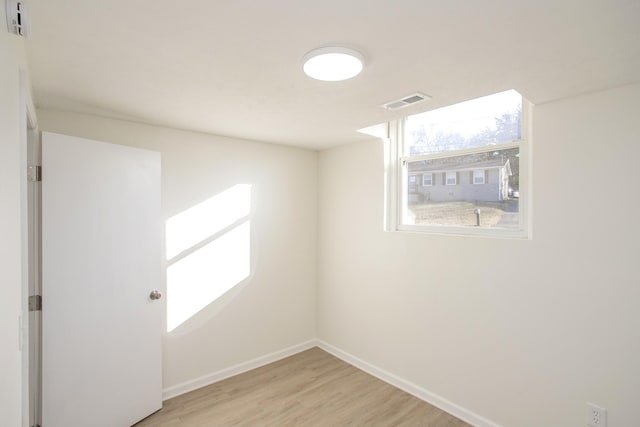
(154, 295)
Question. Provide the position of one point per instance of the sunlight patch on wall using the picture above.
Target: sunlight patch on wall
(211, 248)
(205, 219)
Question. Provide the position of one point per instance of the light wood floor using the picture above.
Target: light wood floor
(311, 388)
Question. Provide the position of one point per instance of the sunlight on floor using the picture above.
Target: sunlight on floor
(208, 252)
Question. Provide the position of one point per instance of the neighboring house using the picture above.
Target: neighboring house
(486, 181)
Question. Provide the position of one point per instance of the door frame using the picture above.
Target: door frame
(30, 258)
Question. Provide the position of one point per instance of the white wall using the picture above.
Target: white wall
(521, 332)
(12, 156)
(275, 307)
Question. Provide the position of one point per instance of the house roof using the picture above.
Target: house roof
(235, 67)
(429, 166)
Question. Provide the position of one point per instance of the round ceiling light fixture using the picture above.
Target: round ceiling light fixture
(332, 64)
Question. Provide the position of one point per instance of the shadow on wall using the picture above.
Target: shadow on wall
(208, 249)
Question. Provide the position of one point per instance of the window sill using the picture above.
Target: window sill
(487, 232)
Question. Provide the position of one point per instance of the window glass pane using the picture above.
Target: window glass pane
(478, 176)
(451, 178)
(456, 203)
(490, 120)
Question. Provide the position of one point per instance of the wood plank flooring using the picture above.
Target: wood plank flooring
(311, 388)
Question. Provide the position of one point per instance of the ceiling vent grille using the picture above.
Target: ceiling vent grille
(405, 101)
(17, 18)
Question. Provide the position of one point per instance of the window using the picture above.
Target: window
(478, 176)
(412, 179)
(477, 151)
(451, 178)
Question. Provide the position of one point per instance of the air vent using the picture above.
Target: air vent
(406, 101)
(17, 18)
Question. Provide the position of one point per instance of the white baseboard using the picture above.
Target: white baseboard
(240, 368)
(409, 387)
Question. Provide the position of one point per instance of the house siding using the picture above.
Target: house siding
(464, 189)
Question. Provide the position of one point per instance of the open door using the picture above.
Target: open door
(101, 277)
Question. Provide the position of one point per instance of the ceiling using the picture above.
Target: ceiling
(234, 67)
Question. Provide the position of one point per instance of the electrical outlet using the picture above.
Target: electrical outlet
(596, 416)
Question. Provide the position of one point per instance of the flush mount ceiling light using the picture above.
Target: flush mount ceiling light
(332, 64)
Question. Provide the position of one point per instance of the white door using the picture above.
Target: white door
(101, 247)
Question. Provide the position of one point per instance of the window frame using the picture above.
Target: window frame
(430, 175)
(396, 184)
(447, 176)
(480, 173)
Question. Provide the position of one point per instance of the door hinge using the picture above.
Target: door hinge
(35, 303)
(34, 173)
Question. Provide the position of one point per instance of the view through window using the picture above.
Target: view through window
(461, 165)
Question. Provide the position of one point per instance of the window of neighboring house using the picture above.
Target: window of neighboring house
(478, 176)
(451, 178)
(481, 141)
(412, 179)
